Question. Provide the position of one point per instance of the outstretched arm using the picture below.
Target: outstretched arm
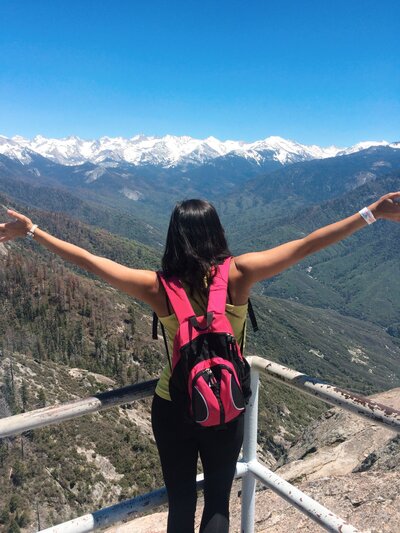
(257, 266)
(141, 284)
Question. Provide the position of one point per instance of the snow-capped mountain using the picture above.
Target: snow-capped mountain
(168, 151)
(365, 145)
(13, 149)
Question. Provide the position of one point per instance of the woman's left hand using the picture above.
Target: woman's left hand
(387, 207)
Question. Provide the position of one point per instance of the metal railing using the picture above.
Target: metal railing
(55, 414)
(248, 468)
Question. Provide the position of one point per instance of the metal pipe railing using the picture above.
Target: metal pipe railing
(125, 510)
(313, 509)
(359, 405)
(248, 468)
(14, 425)
(249, 454)
(110, 515)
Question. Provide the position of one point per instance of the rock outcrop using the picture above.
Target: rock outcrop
(347, 463)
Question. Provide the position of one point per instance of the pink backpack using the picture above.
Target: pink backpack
(210, 379)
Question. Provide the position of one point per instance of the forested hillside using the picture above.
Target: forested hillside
(65, 334)
(358, 276)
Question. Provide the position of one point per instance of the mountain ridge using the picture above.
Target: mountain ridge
(169, 151)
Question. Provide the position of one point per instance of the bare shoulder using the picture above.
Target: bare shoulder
(238, 286)
(156, 297)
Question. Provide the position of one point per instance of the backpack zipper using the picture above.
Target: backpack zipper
(221, 407)
(214, 386)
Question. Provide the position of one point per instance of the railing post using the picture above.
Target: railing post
(250, 454)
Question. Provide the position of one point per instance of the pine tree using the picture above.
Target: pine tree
(18, 474)
(38, 351)
(14, 527)
(9, 390)
(3, 452)
(131, 311)
(42, 398)
(24, 396)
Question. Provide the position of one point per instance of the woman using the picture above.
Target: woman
(195, 243)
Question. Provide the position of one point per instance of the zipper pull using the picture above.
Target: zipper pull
(230, 340)
(212, 383)
(210, 377)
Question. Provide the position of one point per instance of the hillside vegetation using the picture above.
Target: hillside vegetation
(357, 277)
(65, 334)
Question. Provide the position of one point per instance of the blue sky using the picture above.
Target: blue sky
(322, 72)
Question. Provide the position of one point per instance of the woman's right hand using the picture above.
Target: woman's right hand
(17, 228)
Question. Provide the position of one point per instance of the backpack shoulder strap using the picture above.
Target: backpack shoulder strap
(177, 297)
(218, 288)
(252, 316)
(155, 336)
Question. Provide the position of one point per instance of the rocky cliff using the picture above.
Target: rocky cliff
(349, 464)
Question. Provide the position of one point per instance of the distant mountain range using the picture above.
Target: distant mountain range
(145, 176)
(169, 151)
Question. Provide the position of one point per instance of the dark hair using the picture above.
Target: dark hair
(195, 243)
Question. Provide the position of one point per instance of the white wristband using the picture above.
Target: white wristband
(31, 231)
(367, 215)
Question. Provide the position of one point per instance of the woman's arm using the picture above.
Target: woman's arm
(257, 266)
(141, 284)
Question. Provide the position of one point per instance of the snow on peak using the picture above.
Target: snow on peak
(15, 150)
(169, 150)
(363, 146)
(287, 151)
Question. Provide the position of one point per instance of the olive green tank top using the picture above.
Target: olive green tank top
(236, 315)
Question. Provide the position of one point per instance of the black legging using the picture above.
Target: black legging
(179, 445)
